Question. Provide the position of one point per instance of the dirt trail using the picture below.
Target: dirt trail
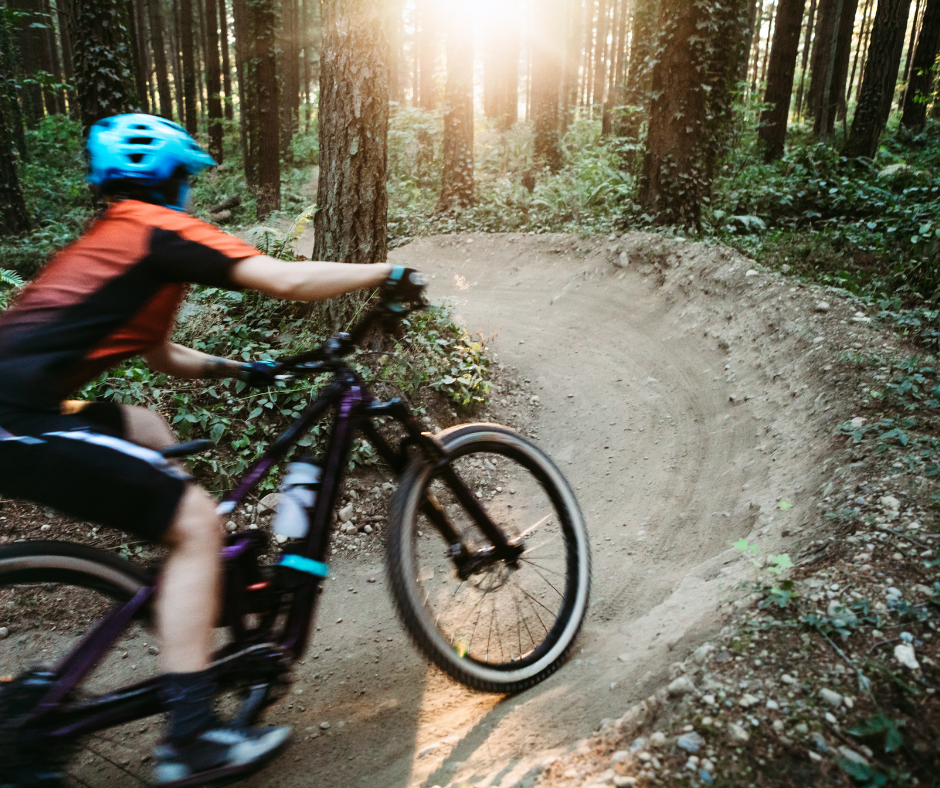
(672, 403)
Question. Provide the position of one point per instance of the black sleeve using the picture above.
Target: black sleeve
(176, 259)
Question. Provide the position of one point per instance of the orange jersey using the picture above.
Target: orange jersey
(112, 294)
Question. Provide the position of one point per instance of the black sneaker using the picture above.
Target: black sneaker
(215, 754)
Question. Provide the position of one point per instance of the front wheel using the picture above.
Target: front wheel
(510, 623)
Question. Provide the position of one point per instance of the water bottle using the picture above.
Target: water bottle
(298, 493)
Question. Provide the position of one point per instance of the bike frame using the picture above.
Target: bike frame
(259, 657)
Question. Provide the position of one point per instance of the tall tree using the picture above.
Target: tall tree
(351, 225)
(135, 26)
(226, 61)
(289, 71)
(862, 32)
(457, 174)
(14, 218)
(786, 42)
(643, 44)
(501, 65)
(246, 114)
(693, 82)
(28, 41)
(572, 60)
(159, 58)
(9, 73)
(600, 55)
(923, 72)
(832, 99)
(263, 18)
(103, 66)
(548, 46)
(808, 37)
(176, 62)
(881, 73)
(428, 49)
(824, 45)
(214, 81)
(54, 96)
(615, 76)
(188, 48)
(63, 12)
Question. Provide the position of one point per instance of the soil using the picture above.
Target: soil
(684, 395)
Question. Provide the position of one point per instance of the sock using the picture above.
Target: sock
(189, 700)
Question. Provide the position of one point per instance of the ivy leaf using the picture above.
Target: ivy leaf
(785, 506)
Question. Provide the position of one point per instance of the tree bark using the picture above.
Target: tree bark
(548, 45)
(786, 42)
(228, 109)
(881, 73)
(393, 30)
(290, 72)
(214, 81)
(840, 71)
(28, 42)
(54, 97)
(771, 21)
(103, 67)
(912, 41)
(176, 62)
(501, 66)
(615, 79)
(159, 58)
(923, 72)
(263, 16)
(242, 49)
(754, 55)
(639, 72)
(693, 82)
(457, 174)
(858, 48)
(600, 55)
(351, 224)
(63, 11)
(14, 218)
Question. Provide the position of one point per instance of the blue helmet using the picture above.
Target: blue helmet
(144, 151)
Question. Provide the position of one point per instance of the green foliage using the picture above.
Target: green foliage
(778, 593)
(9, 281)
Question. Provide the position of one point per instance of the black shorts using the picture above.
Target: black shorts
(81, 465)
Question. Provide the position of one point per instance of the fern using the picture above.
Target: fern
(9, 281)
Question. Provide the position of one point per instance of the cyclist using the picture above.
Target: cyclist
(112, 295)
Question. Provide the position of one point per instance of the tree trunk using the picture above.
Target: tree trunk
(133, 25)
(806, 49)
(572, 62)
(351, 224)
(501, 66)
(589, 24)
(159, 58)
(214, 81)
(771, 21)
(393, 30)
(263, 18)
(786, 42)
(9, 72)
(912, 41)
(457, 174)
(840, 71)
(824, 40)
(290, 72)
(600, 55)
(917, 95)
(55, 98)
(428, 47)
(187, 45)
(28, 42)
(693, 83)
(755, 45)
(242, 39)
(615, 86)
(14, 218)
(859, 46)
(643, 43)
(229, 109)
(548, 45)
(64, 12)
(104, 79)
(881, 73)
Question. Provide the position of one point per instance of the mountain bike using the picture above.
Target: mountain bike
(487, 557)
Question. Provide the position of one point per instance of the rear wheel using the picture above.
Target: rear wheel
(51, 594)
(509, 624)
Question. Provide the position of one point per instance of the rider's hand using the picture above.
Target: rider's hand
(259, 373)
(404, 286)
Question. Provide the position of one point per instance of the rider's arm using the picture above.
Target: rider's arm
(184, 362)
(305, 281)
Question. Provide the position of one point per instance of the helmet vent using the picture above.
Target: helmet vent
(140, 140)
(137, 158)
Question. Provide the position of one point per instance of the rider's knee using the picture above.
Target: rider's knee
(146, 427)
(196, 525)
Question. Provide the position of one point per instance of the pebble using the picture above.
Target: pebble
(153, 650)
(269, 503)
(231, 525)
(831, 698)
(624, 782)
(787, 679)
(822, 306)
(45, 527)
(280, 538)
(681, 686)
(747, 700)
(4, 633)
(700, 655)
(890, 502)
(690, 742)
(346, 512)
(851, 755)
(737, 732)
(750, 272)
(830, 718)
(324, 726)
(772, 705)
(658, 739)
(904, 653)
(368, 529)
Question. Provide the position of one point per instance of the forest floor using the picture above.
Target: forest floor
(692, 401)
